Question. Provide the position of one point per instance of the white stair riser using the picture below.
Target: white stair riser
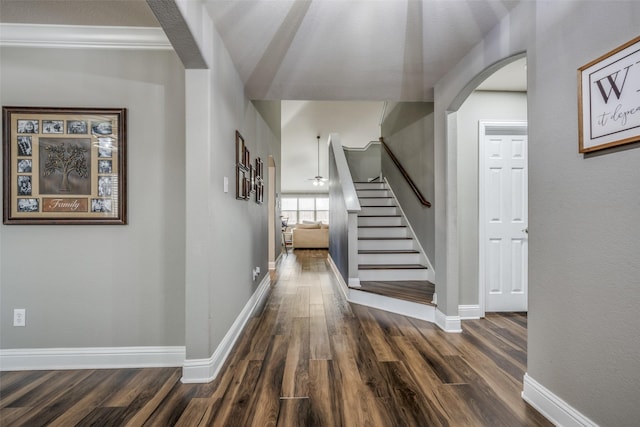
(370, 185)
(378, 210)
(391, 275)
(388, 259)
(373, 193)
(372, 245)
(380, 221)
(383, 232)
(377, 202)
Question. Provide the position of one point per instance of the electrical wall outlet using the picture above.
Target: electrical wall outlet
(19, 317)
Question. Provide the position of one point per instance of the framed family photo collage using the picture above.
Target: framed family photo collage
(64, 165)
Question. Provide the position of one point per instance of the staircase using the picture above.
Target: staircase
(386, 249)
(393, 272)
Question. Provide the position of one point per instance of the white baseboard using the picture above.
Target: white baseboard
(448, 323)
(32, 359)
(274, 264)
(273, 267)
(206, 370)
(343, 285)
(467, 312)
(551, 406)
(354, 282)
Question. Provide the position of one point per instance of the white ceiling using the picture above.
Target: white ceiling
(350, 49)
(362, 50)
(322, 50)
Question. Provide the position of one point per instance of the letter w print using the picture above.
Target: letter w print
(610, 83)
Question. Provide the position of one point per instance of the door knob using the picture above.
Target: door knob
(525, 230)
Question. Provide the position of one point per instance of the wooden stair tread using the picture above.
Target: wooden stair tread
(391, 267)
(382, 226)
(385, 238)
(411, 284)
(372, 197)
(418, 291)
(379, 216)
(388, 251)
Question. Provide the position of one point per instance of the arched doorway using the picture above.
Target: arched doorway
(487, 97)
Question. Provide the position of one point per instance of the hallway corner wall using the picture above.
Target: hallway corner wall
(583, 224)
(408, 131)
(229, 236)
(103, 285)
(582, 209)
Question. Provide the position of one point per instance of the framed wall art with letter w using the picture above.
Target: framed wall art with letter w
(609, 99)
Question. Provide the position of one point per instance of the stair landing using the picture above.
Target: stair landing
(418, 291)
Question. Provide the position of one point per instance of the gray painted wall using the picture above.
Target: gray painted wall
(226, 238)
(339, 221)
(481, 105)
(271, 112)
(583, 210)
(408, 131)
(584, 215)
(364, 164)
(86, 286)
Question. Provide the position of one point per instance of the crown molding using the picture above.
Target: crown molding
(83, 36)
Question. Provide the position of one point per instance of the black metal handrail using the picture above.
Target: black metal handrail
(406, 176)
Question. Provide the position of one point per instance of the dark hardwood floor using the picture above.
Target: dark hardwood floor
(308, 359)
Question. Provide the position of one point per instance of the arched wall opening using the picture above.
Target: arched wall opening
(467, 109)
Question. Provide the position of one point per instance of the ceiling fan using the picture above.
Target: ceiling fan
(318, 180)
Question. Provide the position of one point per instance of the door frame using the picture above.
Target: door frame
(273, 219)
(482, 231)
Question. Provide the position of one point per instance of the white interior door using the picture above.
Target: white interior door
(503, 215)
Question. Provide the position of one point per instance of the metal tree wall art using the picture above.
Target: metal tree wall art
(66, 159)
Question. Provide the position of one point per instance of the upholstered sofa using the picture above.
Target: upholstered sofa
(310, 236)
